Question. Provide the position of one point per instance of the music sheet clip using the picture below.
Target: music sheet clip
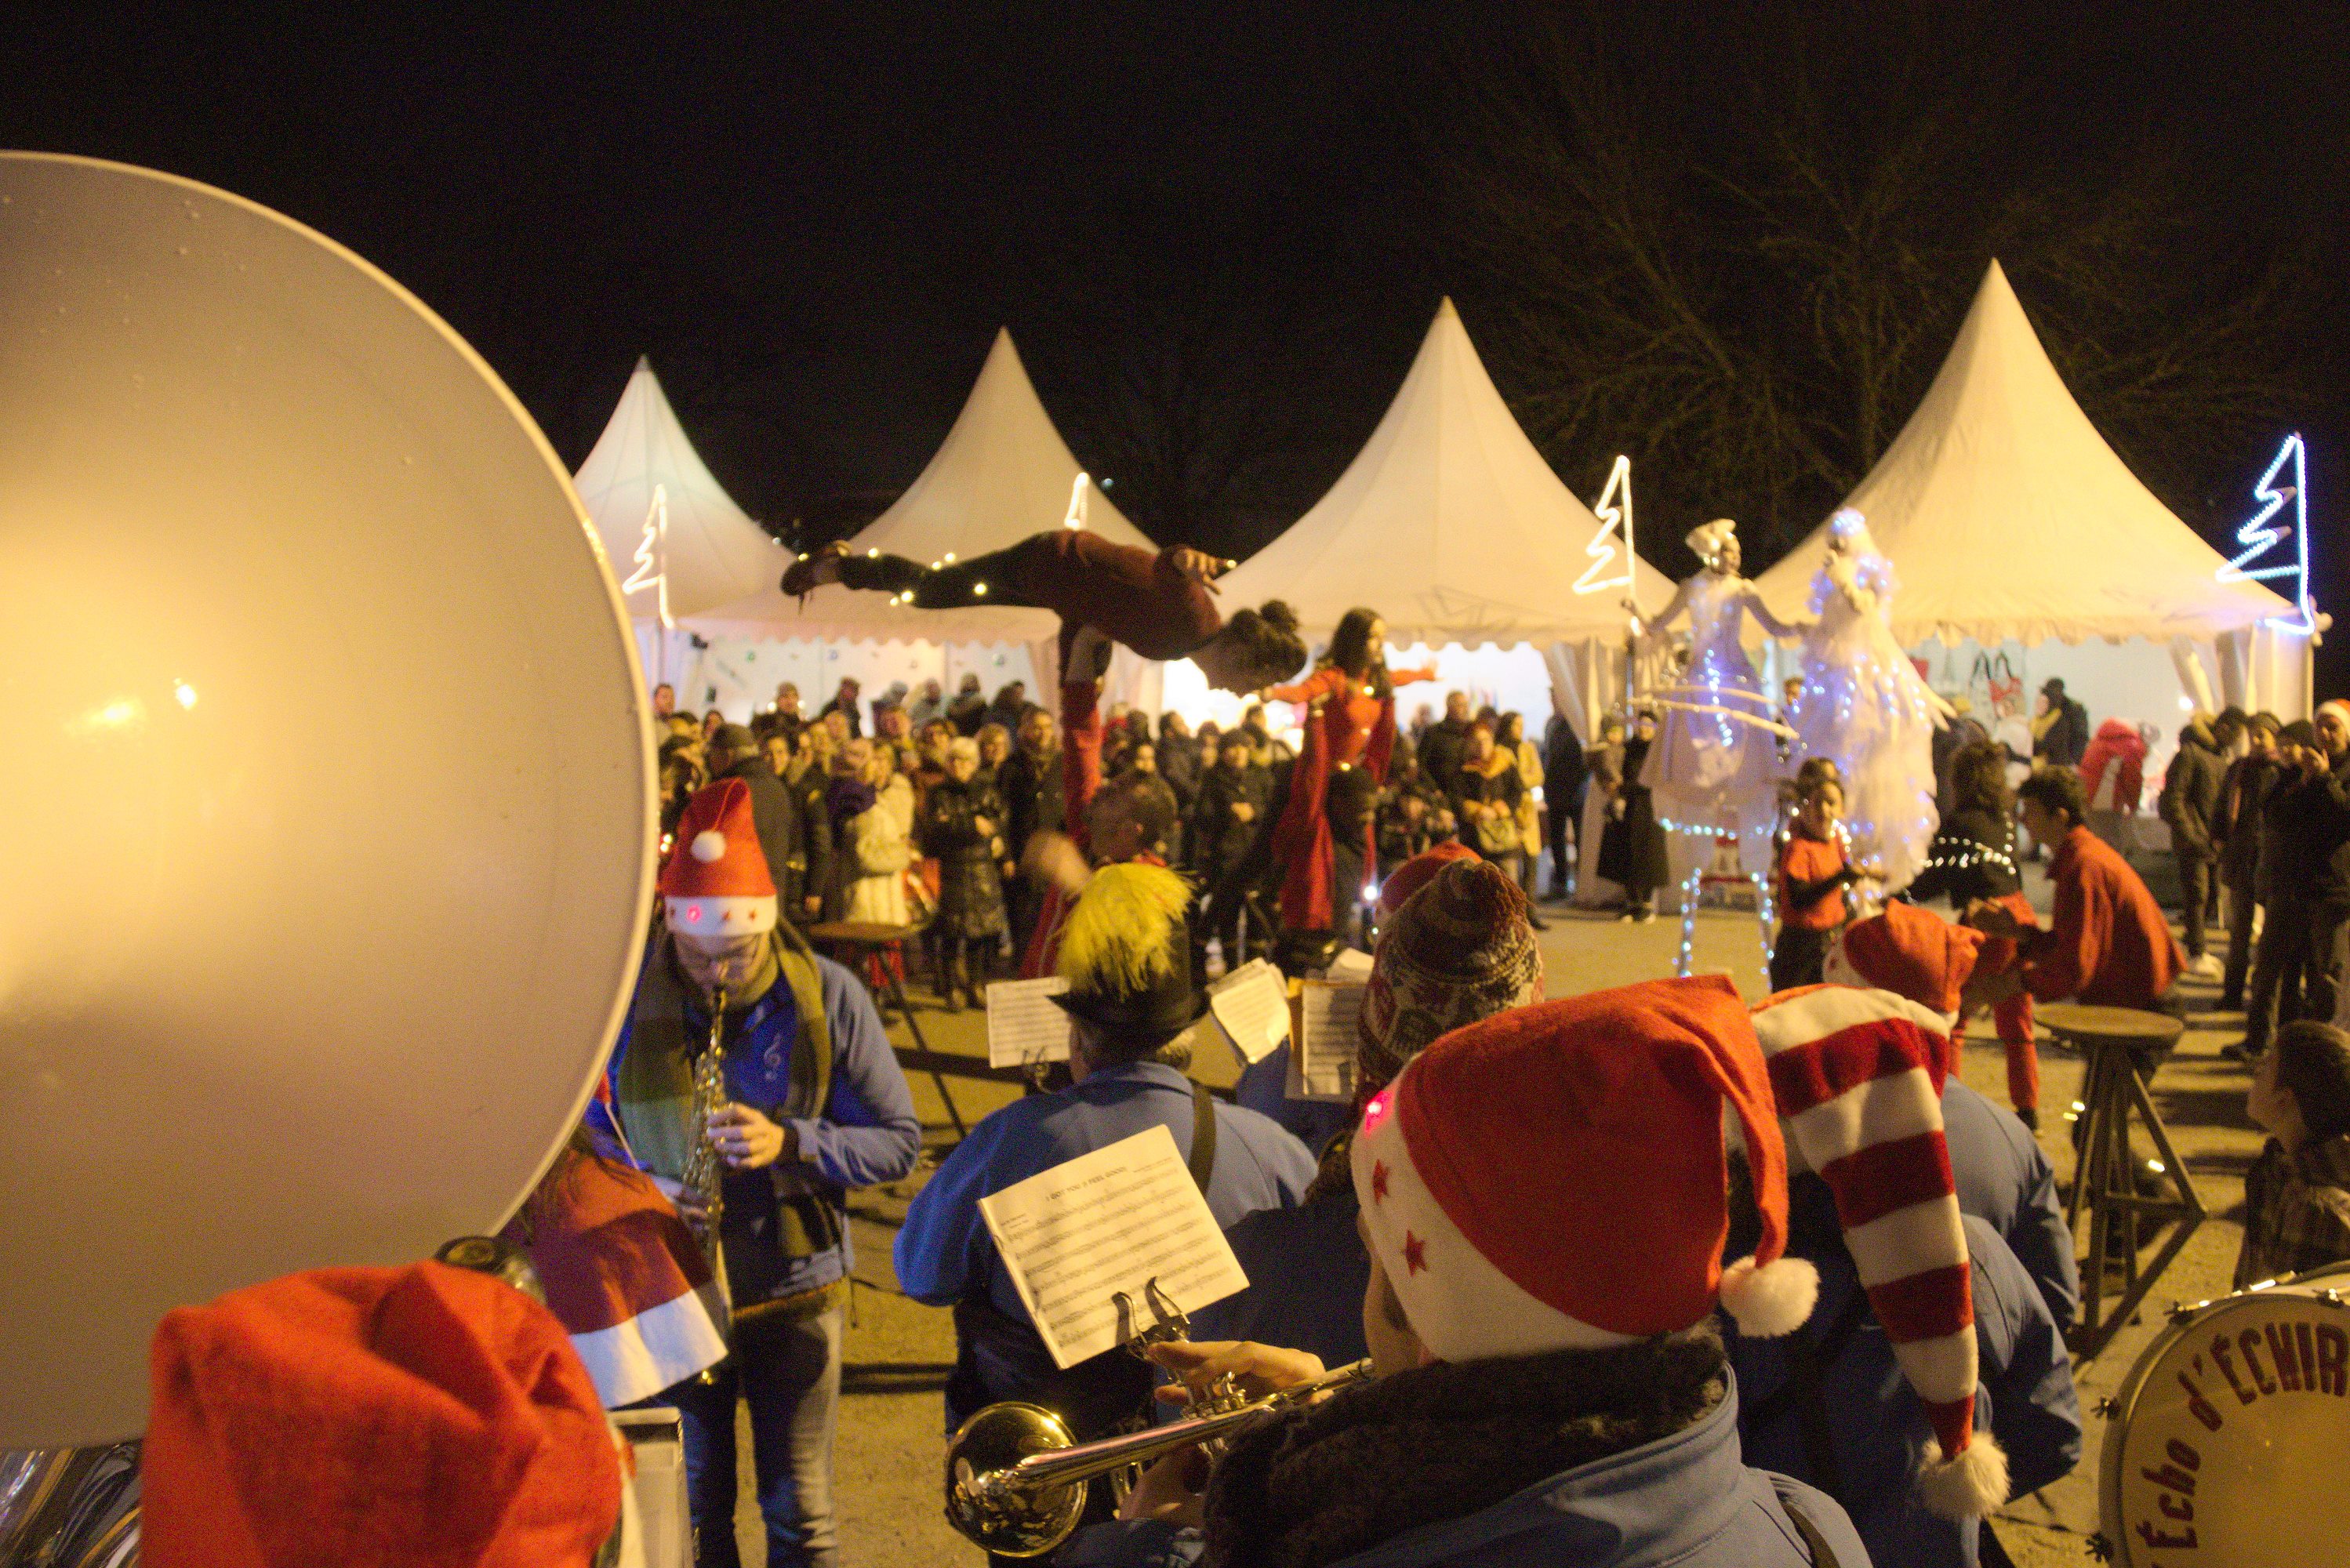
(1172, 1321)
(1025, 1029)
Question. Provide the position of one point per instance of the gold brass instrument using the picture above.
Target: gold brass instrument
(1017, 1476)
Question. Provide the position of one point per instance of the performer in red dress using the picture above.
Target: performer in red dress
(1324, 841)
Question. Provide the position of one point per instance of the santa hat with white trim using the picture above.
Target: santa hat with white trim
(1552, 1177)
(1911, 952)
(716, 883)
(1858, 1077)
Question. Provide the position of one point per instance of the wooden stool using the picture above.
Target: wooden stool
(2106, 1173)
(860, 939)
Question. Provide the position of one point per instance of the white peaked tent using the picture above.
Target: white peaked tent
(2009, 519)
(1001, 473)
(1448, 523)
(710, 552)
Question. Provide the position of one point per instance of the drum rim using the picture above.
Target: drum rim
(2182, 1319)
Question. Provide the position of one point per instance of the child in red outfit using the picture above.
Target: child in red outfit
(1809, 878)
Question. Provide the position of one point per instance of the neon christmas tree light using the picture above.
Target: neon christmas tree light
(652, 557)
(2261, 534)
(1614, 510)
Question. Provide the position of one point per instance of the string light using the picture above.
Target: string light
(1077, 513)
(1613, 509)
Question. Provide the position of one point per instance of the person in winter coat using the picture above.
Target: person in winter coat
(872, 808)
(2302, 822)
(1901, 1397)
(1032, 788)
(2002, 1176)
(962, 824)
(1972, 861)
(2108, 943)
(2113, 768)
(2060, 730)
(1485, 795)
(1512, 737)
(1454, 948)
(1564, 773)
(1132, 1000)
(2297, 1194)
(799, 871)
(2191, 803)
(1546, 1384)
(1234, 796)
(968, 710)
(2236, 827)
(1446, 742)
(1632, 846)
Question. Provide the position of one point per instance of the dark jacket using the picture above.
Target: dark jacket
(1972, 857)
(2191, 792)
(783, 835)
(2064, 741)
(1032, 793)
(1564, 770)
(2238, 819)
(967, 712)
(848, 708)
(1221, 837)
(1441, 749)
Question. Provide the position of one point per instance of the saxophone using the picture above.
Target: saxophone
(704, 1170)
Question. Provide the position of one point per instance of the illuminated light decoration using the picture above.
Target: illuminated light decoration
(978, 589)
(184, 694)
(1376, 1111)
(652, 557)
(2259, 538)
(1614, 511)
(1077, 513)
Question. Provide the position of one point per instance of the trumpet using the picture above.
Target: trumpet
(1017, 1476)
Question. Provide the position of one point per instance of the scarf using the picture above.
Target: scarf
(1442, 1442)
(847, 796)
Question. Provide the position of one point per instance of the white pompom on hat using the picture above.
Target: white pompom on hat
(717, 883)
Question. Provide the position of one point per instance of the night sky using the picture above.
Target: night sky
(814, 217)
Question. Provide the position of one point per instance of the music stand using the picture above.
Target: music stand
(2106, 1173)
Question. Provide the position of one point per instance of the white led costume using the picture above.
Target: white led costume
(1865, 706)
(1714, 769)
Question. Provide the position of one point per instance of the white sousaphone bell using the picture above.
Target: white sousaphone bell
(326, 803)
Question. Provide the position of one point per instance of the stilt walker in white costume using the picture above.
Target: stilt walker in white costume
(1865, 706)
(1713, 772)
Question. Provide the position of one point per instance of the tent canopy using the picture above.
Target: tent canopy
(2007, 515)
(712, 552)
(1001, 473)
(1448, 522)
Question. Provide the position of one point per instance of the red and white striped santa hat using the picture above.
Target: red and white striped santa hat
(1552, 1177)
(717, 883)
(1859, 1078)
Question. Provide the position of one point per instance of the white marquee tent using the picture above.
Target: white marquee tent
(705, 550)
(1453, 527)
(2011, 522)
(1003, 473)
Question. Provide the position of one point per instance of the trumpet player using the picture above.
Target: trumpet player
(1544, 1201)
(817, 1106)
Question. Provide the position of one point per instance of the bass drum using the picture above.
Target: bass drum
(2227, 1437)
(325, 784)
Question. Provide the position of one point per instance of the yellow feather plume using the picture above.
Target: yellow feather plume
(1116, 936)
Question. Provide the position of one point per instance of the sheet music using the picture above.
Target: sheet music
(1251, 1005)
(1106, 1221)
(1351, 967)
(1322, 1058)
(1023, 1026)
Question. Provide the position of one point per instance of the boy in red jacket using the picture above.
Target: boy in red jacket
(2108, 944)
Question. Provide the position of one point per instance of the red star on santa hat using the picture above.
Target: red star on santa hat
(1378, 1180)
(1415, 1254)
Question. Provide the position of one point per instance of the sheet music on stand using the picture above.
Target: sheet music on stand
(1351, 967)
(1322, 1057)
(1251, 1007)
(1023, 1026)
(1074, 1237)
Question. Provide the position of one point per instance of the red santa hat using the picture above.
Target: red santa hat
(1911, 952)
(377, 1418)
(717, 883)
(1859, 1078)
(1415, 874)
(1552, 1177)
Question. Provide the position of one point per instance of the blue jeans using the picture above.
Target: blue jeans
(788, 1371)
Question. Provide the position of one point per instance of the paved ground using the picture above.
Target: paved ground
(897, 1354)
